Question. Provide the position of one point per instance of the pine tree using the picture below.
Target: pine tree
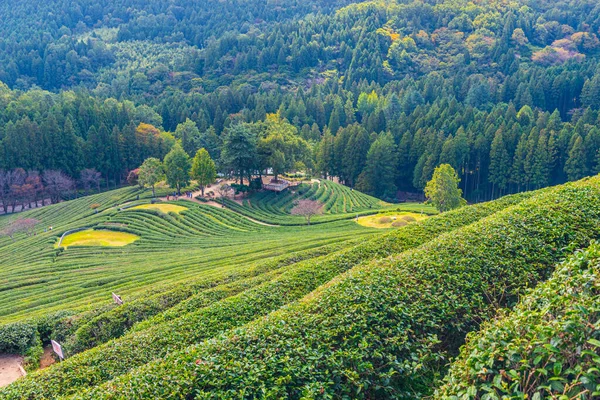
(575, 166)
(378, 176)
(325, 154)
(189, 135)
(499, 163)
(542, 162)
(517, 173)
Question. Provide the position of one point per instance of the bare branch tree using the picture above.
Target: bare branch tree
(16, 179)
(56, 184)
(307, 209)
(35, 187)
(224, 192)
(4, 189)
(25, 225)
(89, 178)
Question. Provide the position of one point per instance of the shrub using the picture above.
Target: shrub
(399, 224)
(18, 337)
(548, 347)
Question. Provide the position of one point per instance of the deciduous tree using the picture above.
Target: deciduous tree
(203, 169)
(151, 172)
(307, 208)
(177, 168)
(442, 190)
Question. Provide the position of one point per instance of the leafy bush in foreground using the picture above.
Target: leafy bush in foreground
(383, 330)
(119, 356)
(548, 347)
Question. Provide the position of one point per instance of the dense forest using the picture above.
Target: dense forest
(375, 93)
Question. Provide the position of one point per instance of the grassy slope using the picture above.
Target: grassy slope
(384, 329)
(39, 278)
(172, 330)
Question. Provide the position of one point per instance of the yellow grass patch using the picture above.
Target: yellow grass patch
(390, 220)
(165, 208)
(100, 238)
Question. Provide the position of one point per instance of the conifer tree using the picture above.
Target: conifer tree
(499, 163)
(378, 176)
(575, 167)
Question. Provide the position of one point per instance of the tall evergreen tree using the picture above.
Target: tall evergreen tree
(575, 167)
(379, 175)
(499, 164)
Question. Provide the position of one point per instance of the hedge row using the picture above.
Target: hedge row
(115, 321)
(548, 347)
(120, 356)
(386, 329)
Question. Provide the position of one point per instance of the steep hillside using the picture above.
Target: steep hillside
(437, 293)
(546, 347)
(385, 328)
(215, 303)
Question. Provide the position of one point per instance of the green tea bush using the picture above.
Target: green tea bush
(548, 347)
(115, 321)
(385, 329)
(119, 356)
(18, 337)
(409, 218)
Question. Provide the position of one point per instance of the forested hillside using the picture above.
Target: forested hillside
(506, 92)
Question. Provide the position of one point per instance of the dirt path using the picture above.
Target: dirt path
(47, 358)
(9, 368)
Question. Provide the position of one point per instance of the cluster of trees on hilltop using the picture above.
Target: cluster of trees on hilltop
(73, 131)
(376, 93)
(20, 189)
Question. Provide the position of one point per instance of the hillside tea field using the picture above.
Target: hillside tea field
(128, 245)
(217, 305)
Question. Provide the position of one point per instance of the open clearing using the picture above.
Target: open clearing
(390, 220)
(103, 238)
(164, 208)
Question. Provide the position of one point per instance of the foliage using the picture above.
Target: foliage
(203, 169)
(151, 172)
(239, 151)
(177, 168)
(204, 315)
(384, 329)
(307, 209)
(442, 190)
(547, 347)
